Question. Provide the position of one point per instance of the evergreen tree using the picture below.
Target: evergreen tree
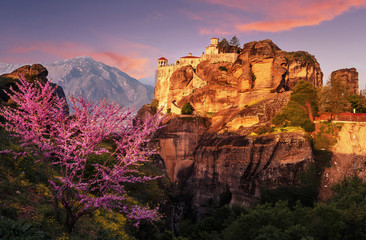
(224, 46)
(301, 108)
(234, 42)
(334, 97)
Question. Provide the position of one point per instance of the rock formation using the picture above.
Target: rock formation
(221, 81)
(349, 77)
(36, 72)
(243, 165)
(211, 153)
(208, 165)
(349, 157)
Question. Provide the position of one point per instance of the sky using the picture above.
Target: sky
(132, 35)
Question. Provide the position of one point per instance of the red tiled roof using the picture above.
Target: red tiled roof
(190, 57)
(162, 58)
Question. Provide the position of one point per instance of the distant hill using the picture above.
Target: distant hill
(94, 80)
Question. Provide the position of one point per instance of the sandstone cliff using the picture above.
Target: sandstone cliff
(349, 77)
(208, 165)
(349, 157)
(211, 152)
(243, 165)
(260, 69)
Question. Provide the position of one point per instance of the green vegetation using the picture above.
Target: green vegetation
(223, 68)
(210, 114)
(327, 135)
(264, 129)
(233, 46)
(334, 97)
(300, 109)
(358, 103)
(154, 105)
(251, 103)
(26, 213)
(299, 55)
(252, 76)
(187, 108)
(301, 217)
(234, 41)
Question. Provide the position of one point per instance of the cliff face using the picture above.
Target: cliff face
(349, 157)
(349, 77)
(208, 165)
(176, 143)
(211, 153)
(242, 165)
(261, 68)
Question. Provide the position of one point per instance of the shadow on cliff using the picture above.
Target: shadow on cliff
(341, 167)
(309, 190)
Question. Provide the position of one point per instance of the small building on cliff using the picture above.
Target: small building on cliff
(165, 71)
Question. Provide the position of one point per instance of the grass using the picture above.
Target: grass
(287, 129)
(210, 114)
(253, 102)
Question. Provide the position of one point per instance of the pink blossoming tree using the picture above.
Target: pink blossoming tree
(64, 144)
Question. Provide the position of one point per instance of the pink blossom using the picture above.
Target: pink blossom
(60, 141)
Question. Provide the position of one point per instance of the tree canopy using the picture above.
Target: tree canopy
(234, 41)
(334, 97)
(65, 147)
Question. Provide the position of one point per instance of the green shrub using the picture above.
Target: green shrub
(187, 108)
(301, 107)
(154, 105)
(263, 129)
(223, 68)
(279, 119)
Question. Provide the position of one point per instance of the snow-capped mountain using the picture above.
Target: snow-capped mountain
(8, 67)
(94, 80)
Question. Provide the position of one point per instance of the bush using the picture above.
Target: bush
(278, 119)
(154, 105)
(263, 130)
(223, 68)
(187, 108)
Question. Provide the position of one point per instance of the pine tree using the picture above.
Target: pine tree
(234, 42)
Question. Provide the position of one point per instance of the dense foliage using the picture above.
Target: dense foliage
(233, 46)
(65, 147)
(342, 218)
(301, 108)
(334, 97)
(187, 108)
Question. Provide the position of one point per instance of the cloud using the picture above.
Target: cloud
(282, 15)
(126, 56)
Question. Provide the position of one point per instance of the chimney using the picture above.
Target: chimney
(189, 54)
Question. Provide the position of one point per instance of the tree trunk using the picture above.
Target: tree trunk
(70, 220)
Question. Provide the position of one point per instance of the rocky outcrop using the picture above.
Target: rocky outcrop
(211, 154)
(243, 165)
(349, 77)
(176, 143)
(209, 165)
(211, 86)
(35, 72)
(348, 157)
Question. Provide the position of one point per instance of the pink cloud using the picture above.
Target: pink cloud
(282, 15)
(130, 58)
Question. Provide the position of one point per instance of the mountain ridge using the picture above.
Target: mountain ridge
(83, 76)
